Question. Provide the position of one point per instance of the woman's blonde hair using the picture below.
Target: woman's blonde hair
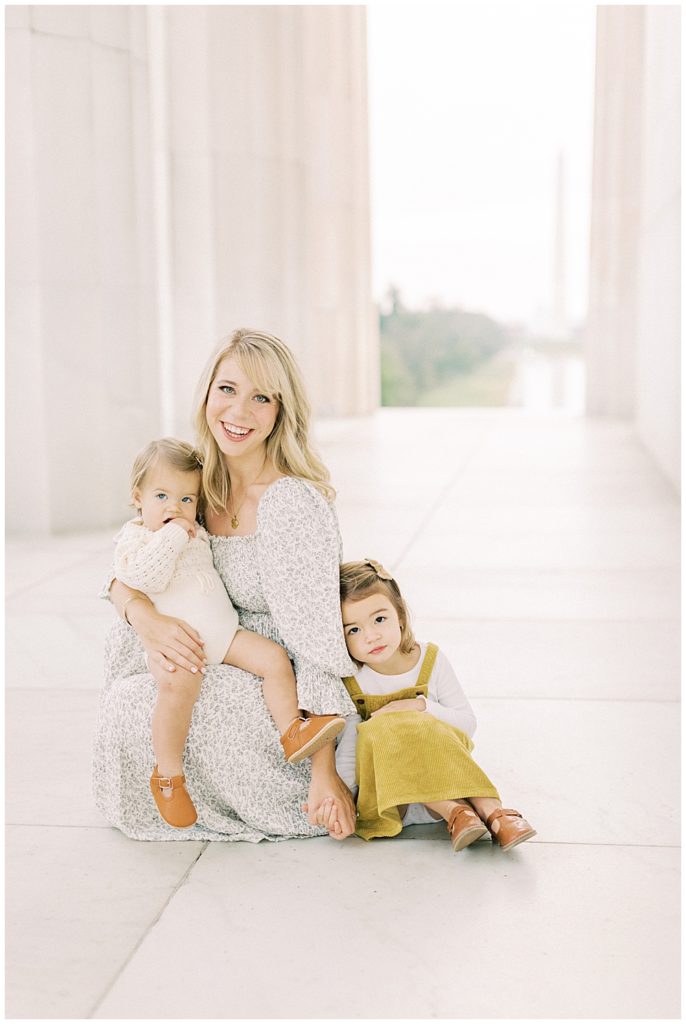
(361, 579)
(179, 454)
(272, 369)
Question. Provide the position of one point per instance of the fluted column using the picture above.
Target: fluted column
(174, 172)
(270, 192)
(81, 333)
(633, 336)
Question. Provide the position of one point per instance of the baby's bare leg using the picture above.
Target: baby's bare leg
(263, 657)
(177, 692)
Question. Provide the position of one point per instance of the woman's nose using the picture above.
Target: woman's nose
(240, 408)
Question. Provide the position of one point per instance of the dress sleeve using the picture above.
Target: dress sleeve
(298, 552)
(146, 560)
(447, 700)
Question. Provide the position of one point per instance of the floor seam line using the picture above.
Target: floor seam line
(146, 932)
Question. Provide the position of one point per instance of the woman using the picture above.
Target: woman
(276, 545)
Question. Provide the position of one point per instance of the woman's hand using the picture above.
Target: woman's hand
(329, 801)
(413, 704)
(169, 642)
(327, 817)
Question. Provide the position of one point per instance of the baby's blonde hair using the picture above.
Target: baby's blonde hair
(179, 454)
(361, 579)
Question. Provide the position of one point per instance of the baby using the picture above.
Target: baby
(165, 554)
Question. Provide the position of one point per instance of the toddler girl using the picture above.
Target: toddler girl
(413, 743)
(166, 555)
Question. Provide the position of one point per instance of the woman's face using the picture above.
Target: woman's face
(240, 417)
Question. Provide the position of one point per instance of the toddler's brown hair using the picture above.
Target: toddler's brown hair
(360, 579)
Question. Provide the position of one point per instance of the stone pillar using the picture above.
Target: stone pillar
(81, 330)
(174, 172)
(615, 212)
(633, 335)
(658, 364)
(269, 204)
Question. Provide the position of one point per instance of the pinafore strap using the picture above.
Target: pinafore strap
(367, 703)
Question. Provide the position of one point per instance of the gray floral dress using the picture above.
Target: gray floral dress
(283, 581)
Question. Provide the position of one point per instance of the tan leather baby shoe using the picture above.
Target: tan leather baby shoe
(305, 736)
(172, 799)
(513, 828)
(465, 827)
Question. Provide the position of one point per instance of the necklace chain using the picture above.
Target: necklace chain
(235, 522)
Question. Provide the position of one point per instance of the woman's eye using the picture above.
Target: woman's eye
(227, 389)
(262, 399)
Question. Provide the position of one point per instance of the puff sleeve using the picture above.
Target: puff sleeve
(298, 551)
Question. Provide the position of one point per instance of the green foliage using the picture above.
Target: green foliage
(421, 350)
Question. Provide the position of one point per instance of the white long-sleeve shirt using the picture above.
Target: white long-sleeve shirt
(446, 700)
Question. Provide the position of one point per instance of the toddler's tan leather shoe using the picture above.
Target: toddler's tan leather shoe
(465, 827)
(305, 736)
(512, 830)
(172, 799)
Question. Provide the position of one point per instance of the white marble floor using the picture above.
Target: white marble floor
(541, 552)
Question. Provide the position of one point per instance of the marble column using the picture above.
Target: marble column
(82, 361)
(174, 172)
(633, 336)
(269, 198)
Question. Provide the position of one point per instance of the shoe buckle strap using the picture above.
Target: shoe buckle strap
(295, 727)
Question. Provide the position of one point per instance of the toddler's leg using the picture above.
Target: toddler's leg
(300, 737)
(177, 692)
(171, 719)
(507, 827)
(464, 827)
(263, 657)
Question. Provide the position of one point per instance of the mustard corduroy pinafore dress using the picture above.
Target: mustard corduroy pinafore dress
(408, 757)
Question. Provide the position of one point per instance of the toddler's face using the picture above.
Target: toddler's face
(166, 494)
(372, 629)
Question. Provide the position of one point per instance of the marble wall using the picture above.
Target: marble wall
(633, 337)
(173, 172)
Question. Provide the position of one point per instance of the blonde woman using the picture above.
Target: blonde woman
(275, 542)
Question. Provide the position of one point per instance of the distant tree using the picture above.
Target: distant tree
(397, 386)
(422, 348)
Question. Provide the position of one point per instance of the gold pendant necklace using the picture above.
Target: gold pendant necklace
(235, 522)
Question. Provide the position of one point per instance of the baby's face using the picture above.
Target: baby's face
(167, 494)
(372, 629)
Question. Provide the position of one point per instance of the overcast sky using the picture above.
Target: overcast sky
(469, 106)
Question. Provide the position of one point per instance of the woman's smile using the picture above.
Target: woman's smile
(238, 413)
(236, 433)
